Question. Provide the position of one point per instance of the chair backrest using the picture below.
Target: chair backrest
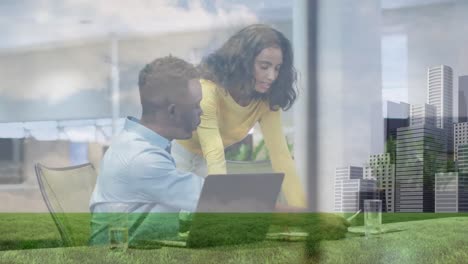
(255, 166)
(67, 191)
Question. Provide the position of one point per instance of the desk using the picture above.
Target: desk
(442, 240)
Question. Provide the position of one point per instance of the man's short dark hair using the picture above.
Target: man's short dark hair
(163, 80)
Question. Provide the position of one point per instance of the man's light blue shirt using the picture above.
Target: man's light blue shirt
(138, 171)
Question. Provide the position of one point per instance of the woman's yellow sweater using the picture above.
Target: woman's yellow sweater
(224, 122)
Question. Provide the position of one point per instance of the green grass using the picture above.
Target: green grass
(267, 252)
(405, 217)
(441, 240)
(300, 220)
(33, 238)
(37, 230)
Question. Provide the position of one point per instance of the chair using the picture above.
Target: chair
(65, 191)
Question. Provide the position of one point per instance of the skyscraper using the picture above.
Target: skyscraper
(446, 189)
(451, 192)
(440, 94)
(351, 189)
(460, 136)
(423, 115)
(462, 154)
(381, 168)
(397, 115)
(462, 99)
(420, 153)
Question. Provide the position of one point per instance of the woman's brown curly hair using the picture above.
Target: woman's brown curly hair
(232, 66)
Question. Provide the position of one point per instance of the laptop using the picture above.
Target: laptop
(232, 209)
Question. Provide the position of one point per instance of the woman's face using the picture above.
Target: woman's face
(266, 68)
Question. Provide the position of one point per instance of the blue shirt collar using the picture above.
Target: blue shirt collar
(132, 124)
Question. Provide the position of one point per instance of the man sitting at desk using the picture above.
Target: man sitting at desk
(138, 175)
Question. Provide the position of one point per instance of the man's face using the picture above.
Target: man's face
(187, 111)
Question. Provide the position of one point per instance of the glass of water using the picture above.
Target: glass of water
(118, 226)
(372, 217)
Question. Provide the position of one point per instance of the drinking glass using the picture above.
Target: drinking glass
(372, 217)
(118, 227)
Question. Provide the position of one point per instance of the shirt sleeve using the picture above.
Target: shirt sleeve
(208, 131)
(281, 159)
(159, 181)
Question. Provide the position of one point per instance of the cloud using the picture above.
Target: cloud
(53, 75)
(79, 58)
(163, 15)
(71, 20)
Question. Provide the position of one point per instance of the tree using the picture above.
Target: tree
(390, 147)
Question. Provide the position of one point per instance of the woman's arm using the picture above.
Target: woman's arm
(208, 130)
(281, 159)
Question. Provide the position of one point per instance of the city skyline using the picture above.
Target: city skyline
(424, 143)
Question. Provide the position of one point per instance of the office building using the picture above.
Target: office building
(424, 114)
(397, 115)
(463, 98)
(420, 153)
(381, 169)
(351, 189)
(440, 94)
(451, 192)
(460, 131)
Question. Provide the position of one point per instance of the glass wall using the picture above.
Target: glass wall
(384, 65)
(69, 73)
(381, 111)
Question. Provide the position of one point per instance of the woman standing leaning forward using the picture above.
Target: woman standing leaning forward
(250, 79)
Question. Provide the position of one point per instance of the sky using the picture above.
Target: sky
(36, 34)
(419, 38)
(29, 23)
(64, 49)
